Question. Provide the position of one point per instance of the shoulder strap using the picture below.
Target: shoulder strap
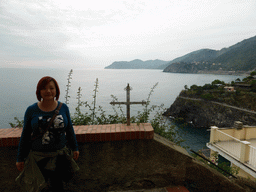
(56, 112)
(53, 117)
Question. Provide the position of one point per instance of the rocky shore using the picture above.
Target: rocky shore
(207, 113)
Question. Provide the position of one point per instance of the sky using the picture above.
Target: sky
(94, 34)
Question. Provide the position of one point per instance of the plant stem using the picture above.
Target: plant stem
(94, 99)
(68, 86)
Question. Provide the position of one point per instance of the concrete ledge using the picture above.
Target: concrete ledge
(90, 133)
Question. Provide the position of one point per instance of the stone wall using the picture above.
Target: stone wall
(130, 164)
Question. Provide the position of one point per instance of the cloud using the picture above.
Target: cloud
(99, 32)
(31, 31)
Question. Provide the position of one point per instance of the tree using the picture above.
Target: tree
(194, 87)
(253, 73)
(208, 86)
(217, 81)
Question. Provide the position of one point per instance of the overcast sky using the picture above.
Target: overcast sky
(95, 33)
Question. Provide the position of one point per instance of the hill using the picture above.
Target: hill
(137, 64)
(239, 57)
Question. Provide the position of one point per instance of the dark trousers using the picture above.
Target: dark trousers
(56, 183)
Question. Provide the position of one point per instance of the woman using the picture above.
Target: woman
(42, 145)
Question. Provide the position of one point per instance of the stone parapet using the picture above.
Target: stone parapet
(90, 133)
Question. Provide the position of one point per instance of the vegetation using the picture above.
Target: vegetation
(242, 96)
(18, 123)
(222, 165)
(68, 86)
(96, 115)
(239, 57)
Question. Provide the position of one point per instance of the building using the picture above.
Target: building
(243, 86)
(229, 88)
(237, 145)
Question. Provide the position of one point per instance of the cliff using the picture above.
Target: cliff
(184, 68)
(204, 113)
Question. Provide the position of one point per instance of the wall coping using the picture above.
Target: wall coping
(90, 133)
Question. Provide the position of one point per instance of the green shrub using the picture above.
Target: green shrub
(207, 96)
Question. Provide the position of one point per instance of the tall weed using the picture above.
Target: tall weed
(96, 115)
(160, 123)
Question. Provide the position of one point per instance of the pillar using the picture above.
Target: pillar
(245, 151)
(213, 136)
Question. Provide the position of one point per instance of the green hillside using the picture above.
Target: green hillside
(239, 57)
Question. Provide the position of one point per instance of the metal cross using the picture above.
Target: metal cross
(128, 103)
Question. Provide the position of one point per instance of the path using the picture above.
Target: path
(218, 103)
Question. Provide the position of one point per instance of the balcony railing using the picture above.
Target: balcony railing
(227, 141)
(252, 156)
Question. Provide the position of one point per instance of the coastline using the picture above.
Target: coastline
(235, 73)
(242, 73)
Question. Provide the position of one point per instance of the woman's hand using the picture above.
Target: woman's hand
(75, 155)
(20, 165)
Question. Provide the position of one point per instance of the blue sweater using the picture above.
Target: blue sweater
(59, 135)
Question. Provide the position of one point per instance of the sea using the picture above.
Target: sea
(18, 87)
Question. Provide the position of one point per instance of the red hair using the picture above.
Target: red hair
(41, 85)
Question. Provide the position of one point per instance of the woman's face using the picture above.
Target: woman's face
(49, 91)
